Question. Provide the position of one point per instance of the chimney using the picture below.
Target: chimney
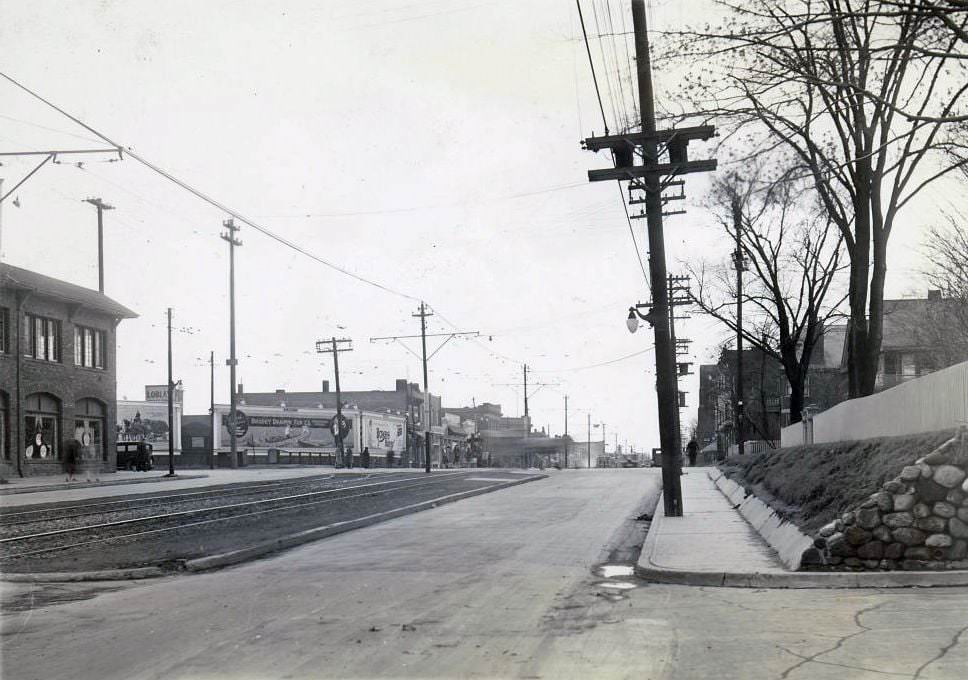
(325, 386)
(934, 295)
(401, 385)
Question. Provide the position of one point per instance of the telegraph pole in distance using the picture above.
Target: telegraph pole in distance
(335, 347)
(171, 407)
(211, 411)
(232, 362)
(566, 431)
(101, 207)
(423, 314)
(589, 441)
(740, 263)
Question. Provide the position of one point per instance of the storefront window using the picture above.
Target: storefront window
(89, 429)
(40, 427)
(42, 337)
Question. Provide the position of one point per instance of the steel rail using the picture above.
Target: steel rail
(422, 482)
(146, 501)
(183, 513)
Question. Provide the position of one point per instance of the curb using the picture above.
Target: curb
(790, 579)
(244, 554)
(93, 485)
(102, 575)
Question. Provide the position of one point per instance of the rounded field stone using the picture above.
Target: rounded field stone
(932, 525)
(958, 550)
(955, 496)
(962, 514)
(868, 518)
(921, 510)
(883, 534)
(874, 550)
(904, 501)
(895, 520)
(884, 500)
(908, 536)
(856, 535)
(895, 485)
(887, 565)
(828, 530)
(948, 476)
(930, 491)
(838, 546)
(847, 518)
(913, 565)
(957, 528)
(940, 456)
(938, 541)
(910, 473)
(926, 470)
(811, 556)
(944, 509)
(919, 552)
(853, 562)
(894, 551)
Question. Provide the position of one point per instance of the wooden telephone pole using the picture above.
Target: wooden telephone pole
(229, 236)
(423, 313)
(101, 207)
(652, 177)
(339, 424)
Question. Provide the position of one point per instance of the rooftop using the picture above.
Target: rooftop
(47, 286)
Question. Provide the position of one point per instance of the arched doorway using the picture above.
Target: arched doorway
(89, 415)
(41, 427)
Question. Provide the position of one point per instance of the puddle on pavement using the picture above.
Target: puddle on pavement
(614, 570)
(616, 585)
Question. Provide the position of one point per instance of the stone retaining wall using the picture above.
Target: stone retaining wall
(916, 521)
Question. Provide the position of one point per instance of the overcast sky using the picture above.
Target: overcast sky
(430, 146)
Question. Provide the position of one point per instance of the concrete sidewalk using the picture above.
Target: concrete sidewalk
(713, 545)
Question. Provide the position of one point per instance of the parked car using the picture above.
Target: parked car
(135, 456)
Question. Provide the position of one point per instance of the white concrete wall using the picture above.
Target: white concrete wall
(937, 401)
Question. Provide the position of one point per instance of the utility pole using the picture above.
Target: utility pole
(232, 362)
(335, 347)
(566, 431)
(648, 177)
(589, 441)
(423, 314)
(211, 411)
(740, 263)
(171, 406)
(101, 207)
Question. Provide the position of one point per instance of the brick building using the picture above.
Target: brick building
(57, 372)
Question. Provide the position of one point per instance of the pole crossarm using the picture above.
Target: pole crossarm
(325, 346)
(27, 176)
(686, 134)
(675, 169)
(60, 152)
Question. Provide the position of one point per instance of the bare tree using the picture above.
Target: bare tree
(944, 327)
(866, 99)
(794, 257)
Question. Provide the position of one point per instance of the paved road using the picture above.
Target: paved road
(501, 585)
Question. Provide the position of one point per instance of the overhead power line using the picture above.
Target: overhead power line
(208, 199)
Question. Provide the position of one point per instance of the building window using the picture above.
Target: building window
(4, 332)
(89, 429)
(88, 347)
(42, 336)
(42, 412)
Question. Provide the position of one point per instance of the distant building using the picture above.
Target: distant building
(406, 400)
(58, 374)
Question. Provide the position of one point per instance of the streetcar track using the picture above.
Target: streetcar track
(297, 506)
(197, 511)
(259, 487)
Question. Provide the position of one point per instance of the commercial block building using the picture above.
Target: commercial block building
(57, 372)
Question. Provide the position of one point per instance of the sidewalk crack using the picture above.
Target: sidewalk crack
(837, 645)
(941, 653)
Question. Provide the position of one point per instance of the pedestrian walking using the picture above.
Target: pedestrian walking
(692, 450)
(72, 452)
(390, 458)
(365, 457)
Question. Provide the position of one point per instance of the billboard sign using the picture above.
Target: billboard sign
(160, 393)
(148, 421)
(282, 430)
(384, 434)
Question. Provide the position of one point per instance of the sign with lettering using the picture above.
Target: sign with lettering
(281, 430)
(160, 393)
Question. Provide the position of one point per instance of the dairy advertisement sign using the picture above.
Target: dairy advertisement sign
(282, 431)
(384, 434)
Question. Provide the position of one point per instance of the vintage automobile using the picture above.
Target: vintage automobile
(135, 455)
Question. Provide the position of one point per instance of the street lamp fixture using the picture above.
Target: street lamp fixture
(634, 315)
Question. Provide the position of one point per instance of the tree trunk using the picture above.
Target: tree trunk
(859, 383)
